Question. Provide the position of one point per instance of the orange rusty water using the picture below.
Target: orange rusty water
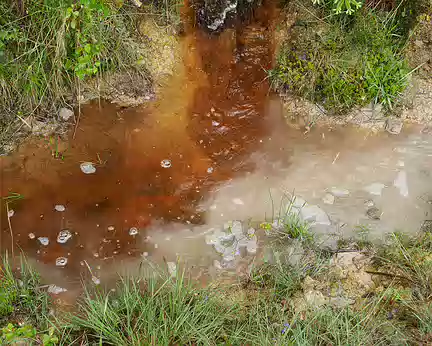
(206, 121)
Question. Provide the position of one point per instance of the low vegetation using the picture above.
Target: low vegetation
(345, 54)
(49, 48)
(262, 308)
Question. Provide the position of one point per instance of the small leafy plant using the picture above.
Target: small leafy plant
(12, 335)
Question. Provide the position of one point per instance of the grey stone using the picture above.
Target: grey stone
(87, 168)
(66, 114)
(373, 213)
(44, 241)
(394, 126)
(314, 214)
(328, 198)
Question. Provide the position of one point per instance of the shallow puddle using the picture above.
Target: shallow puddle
(159, 181)
(94, 197)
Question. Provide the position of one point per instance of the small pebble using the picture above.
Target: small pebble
(145, 254)
(88, 168)
(43, 240)
(31, 235)
(329, 198)
(10, 213)
(210, 170)
(59, 207)
(111, 228)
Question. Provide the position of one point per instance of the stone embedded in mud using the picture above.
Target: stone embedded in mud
(394, 126)
(314, 215)
(66, 114)
(374, 213)
(88, 168)
(44, 241)
(59, 207)
(210, 170)
(61, 261)
(64, 236)
(328, 198)
(31, 235)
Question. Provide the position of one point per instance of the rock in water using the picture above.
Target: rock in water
(59, 207)
(88, 168)
(394, 126)
(328, 198)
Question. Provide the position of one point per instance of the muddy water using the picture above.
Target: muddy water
(230, 156)
(203, 127)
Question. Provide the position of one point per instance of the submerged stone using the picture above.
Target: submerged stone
(87, 168)
(44, 241)
(59, 207)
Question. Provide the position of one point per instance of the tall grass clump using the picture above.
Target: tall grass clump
(158, 310)
(21, 298)
(344, 61)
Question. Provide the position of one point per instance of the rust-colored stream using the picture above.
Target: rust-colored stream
(206, 122)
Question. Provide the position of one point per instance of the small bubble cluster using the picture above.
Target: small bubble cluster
(61, 261)
(64, 236)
